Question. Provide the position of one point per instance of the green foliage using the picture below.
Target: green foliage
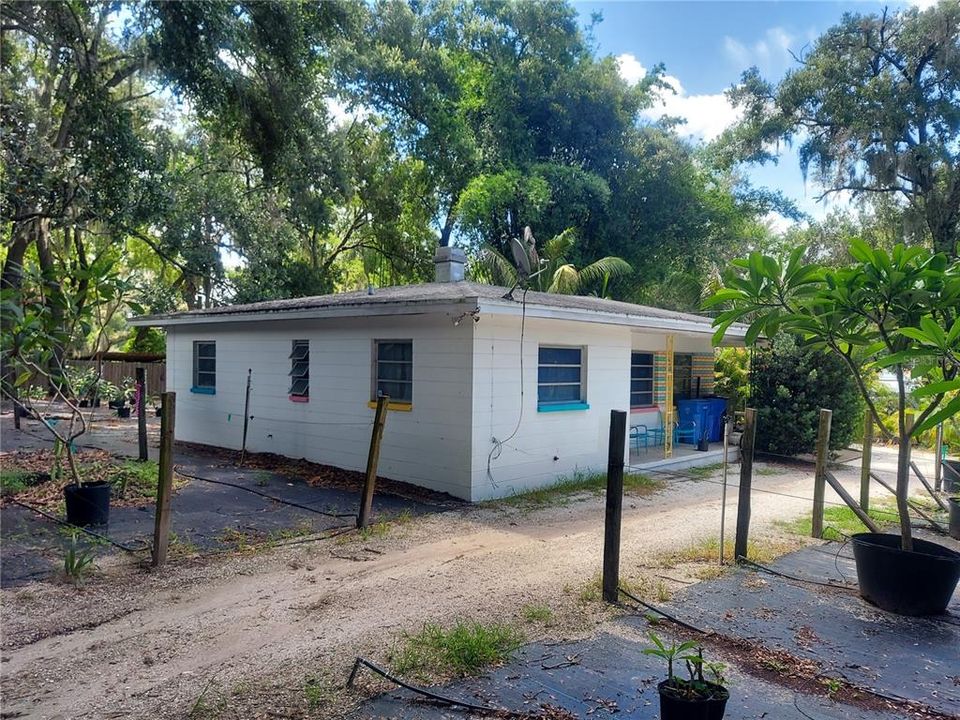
(13, 482)
(896, 310)
(791, 383)
(874, 108)
(466, 648)
(77, 562)
(733, 376)
(561, 491)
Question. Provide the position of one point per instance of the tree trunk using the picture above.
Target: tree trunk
(903, 491)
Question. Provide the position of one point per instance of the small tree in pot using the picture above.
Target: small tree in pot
(44, 326)
(693, 698)
(895, 310)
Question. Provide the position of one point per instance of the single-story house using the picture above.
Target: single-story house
(491, 392)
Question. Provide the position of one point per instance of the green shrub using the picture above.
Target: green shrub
(790, 385)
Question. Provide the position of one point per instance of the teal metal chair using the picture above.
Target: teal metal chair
(685, 432)
(647, 434)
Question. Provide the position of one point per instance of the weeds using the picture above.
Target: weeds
(702, 472)
(78, 562)
(840, 521)
(262, 478)
(566, 487)
(707, 550)
(537, 613)
(13, 481)
(643, 587)
(316, 691)
(465, 649)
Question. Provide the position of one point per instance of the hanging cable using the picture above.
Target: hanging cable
(497, 448)
(91, 533)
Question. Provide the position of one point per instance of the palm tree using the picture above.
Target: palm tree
(558, 275)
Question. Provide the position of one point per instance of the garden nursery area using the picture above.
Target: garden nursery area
(515, 359)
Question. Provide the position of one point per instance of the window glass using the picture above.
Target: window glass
(559, 375)
(204, 364)
(641, 379)
(393, 370)
(300, 369)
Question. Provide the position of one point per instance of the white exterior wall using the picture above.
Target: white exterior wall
(547, 445)
(428, 446)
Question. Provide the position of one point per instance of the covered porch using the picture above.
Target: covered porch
(683, 456)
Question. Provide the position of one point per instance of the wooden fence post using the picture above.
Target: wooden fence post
(747, 441)
(819, 479)
(938, 459)
(373, 457)
(161, 528)
(614, 513)
(727, 432)
(865, 460)
(142, 412)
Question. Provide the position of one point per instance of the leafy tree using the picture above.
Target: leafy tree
(874, 108)
(790, 383)
(897, 310)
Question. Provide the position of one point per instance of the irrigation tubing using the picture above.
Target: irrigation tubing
(60, 521)
(787, 576)
(179, 471)
(453, 702)
(668, 616)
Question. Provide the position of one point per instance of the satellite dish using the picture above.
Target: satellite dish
(520, 258)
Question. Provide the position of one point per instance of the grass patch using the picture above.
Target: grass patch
(536, 613)
(566, 487)
(840, 521)
(13, 481)
(707, 550)
(703, 471)
(643, 587)
(317, 692)
(767, 470)
(466, 648)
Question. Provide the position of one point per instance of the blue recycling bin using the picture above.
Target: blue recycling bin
(707, 413)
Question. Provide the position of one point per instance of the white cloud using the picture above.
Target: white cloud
(341, 114)
(769, 53)
(706, 115)
(923, 4)
(777, 222)
(630, 68)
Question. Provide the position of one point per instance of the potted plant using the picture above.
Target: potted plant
(897, 311)
(33, 348)
(693, 697)
(125, 393)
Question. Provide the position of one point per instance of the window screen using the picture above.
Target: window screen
(204, 364)
(559, 375)
(393, 370)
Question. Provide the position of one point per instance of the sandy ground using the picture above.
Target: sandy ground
(239, 636)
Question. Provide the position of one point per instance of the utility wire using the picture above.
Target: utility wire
(178, 469)
(60, 521)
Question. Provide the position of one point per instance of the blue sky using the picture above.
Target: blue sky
(705, 46)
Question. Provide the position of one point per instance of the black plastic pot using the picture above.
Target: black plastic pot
(84, 403)
(677, 708)
(123, 412)
(159, 411)
(951, 476)
(114, 404)
(954, 527)
(919, 582)
(88, 504)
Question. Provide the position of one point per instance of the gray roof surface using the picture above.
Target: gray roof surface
(434, 293)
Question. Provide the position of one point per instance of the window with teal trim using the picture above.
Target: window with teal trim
(559, 376)
(204, 366)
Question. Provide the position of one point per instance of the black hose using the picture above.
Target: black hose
(770, 570)
(76, 527)
(669, 617)
(453, 702)
(179, 471)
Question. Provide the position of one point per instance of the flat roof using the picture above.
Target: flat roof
(413, 299)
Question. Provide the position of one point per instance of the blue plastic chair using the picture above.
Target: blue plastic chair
(685, 432)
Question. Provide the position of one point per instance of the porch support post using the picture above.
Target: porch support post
(668, 401)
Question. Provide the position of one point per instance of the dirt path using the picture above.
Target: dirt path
(245, 631)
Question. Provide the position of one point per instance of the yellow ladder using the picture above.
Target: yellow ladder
(668, 410)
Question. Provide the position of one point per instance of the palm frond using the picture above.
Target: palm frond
(565, 281)
(559, 246)
(492, 268)
(609, 267)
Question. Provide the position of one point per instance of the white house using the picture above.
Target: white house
(490, 394)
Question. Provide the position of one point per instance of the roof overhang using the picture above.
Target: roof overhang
(684, 326)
